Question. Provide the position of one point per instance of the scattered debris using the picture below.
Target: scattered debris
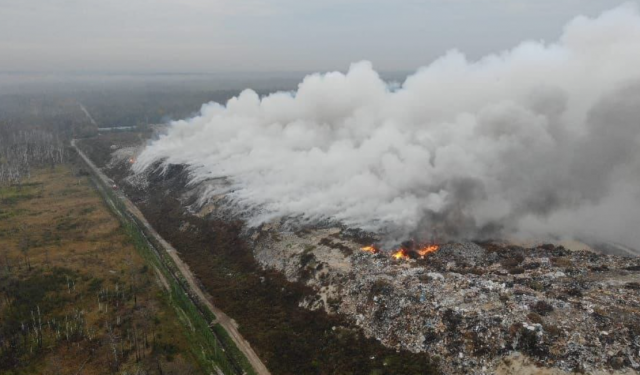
(473, 305)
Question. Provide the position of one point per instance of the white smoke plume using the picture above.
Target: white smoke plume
(540, 139)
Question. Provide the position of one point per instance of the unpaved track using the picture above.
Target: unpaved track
(223, 319)
(89, 117)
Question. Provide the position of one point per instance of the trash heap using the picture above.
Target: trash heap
(473, 306)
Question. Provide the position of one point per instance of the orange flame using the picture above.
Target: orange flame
(401, 254)
(428, 250)
(369, 249)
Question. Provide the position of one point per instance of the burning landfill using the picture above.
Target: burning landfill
(481, 308)
(542, 140)
(406, 251)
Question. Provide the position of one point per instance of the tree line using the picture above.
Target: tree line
(22, 150)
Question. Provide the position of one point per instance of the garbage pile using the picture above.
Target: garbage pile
(472, 305)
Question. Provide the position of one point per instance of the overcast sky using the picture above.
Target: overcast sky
(267, 35)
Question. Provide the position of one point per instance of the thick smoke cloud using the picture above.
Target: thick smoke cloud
(541, 139)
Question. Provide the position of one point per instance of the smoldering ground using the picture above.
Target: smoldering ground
(540, 140)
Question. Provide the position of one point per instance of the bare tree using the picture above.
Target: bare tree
(21, 150)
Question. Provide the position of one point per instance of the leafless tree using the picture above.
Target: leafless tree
(22, 150)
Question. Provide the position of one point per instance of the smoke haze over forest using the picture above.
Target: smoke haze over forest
(541, 139)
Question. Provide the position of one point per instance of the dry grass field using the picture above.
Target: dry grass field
(75, 296)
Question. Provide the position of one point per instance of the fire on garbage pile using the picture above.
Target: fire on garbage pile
(474, 306)
(406, 251)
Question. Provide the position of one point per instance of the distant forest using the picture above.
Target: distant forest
(116, 102)
(36, 125)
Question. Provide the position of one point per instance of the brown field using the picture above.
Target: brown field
(75, 296)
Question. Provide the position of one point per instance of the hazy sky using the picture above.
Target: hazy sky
(267, 35)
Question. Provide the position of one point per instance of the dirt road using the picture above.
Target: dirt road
(223, 319)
